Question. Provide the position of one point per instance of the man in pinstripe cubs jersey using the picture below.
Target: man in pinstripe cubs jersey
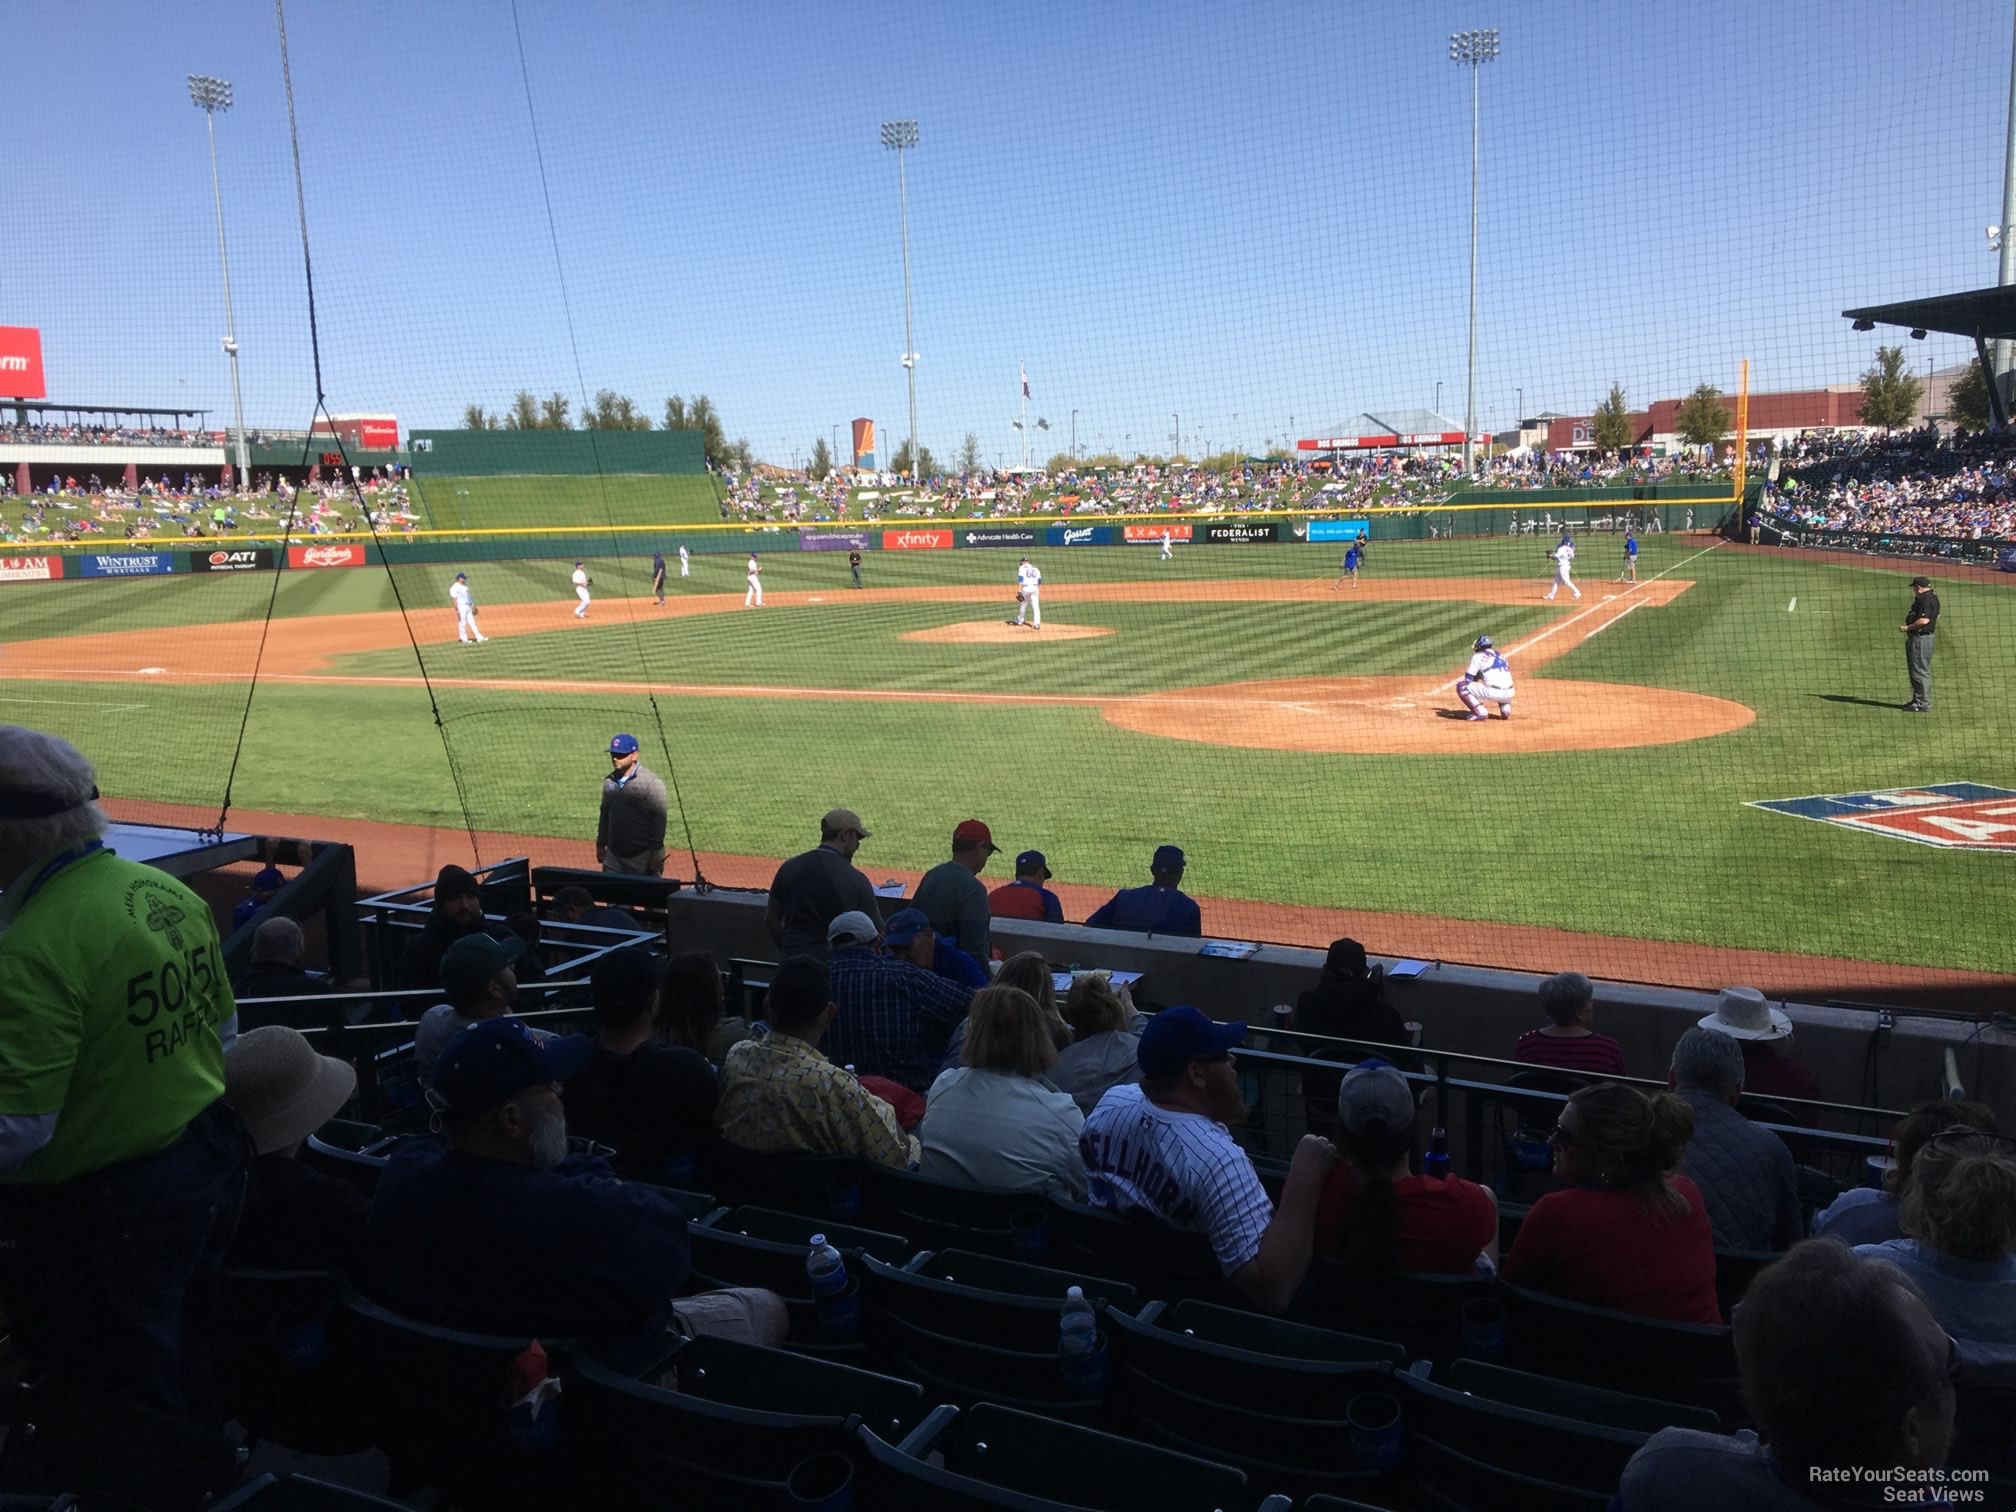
(1162, 1148)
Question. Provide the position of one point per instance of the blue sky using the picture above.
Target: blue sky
(1236, 213)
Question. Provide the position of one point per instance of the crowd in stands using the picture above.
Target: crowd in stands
(107, 435)
(68, 508)
(535, 1205)
(1918, 482)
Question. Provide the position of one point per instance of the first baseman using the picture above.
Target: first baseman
(755, 592)
(465, 611)
(581, 584)
(1564, 559)
(1486, 679)
(1029, 594)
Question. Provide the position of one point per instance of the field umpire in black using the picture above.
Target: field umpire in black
(1920, 627)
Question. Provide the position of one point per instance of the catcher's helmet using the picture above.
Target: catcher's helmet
(1482, 643)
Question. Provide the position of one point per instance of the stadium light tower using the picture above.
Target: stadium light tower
(212, 95)
(1473, 49)
(901, 137)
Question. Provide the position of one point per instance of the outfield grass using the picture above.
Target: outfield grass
(555, 503)
(1655, 843)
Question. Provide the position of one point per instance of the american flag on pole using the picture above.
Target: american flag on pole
(1025, 383)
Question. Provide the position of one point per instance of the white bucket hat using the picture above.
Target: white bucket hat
(1741, 1013)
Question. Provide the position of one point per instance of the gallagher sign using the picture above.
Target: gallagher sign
(1952, 815)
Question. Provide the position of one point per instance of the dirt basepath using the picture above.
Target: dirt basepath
(391, 856)
(989, 633)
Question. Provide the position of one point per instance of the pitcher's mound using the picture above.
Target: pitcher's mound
(995, 632)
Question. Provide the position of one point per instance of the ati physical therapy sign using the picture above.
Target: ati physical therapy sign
(1954, 815)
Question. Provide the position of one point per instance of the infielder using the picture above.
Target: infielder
(581, 585)
(1630, 558)
(465, 611)
(755, 593)
(1354, 557)
(1487, 679)
(1564, 559)
(658, 575)
(1029, 594)
(1168, 553)
(685, 562)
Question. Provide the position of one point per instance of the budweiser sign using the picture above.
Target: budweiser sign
(917, 540)
(325, 556)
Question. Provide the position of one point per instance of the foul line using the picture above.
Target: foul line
(1640, 604)
(78, 703)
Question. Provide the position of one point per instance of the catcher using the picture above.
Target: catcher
(1487, 679)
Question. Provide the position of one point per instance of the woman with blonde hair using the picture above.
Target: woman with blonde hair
(995, 1119)
(1107, 1036)
(1028, 970)
(1627, 1232)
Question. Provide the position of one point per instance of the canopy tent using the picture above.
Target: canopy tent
(1985, 315)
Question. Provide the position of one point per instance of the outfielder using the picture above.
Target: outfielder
(1487, 679)
(1029, 594)
(581, 585)
(658, 575)
(1564, 559)
(1168, 554)
(465, 611)
(685, 562)
(755, 593)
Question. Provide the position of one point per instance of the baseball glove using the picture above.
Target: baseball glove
(1021, 598)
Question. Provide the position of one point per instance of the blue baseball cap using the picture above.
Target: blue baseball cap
(903, 926)
(1168, 858)
(269, 879)
(1177, 1036)
(1032, 861)
(623, 745)
(494, 1060)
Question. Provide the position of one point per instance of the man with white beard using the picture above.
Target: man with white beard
(498, 1230)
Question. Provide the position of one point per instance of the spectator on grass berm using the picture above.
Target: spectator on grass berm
(1350, 1000)
(815, 887)
(266, 885)
(651, 1102)
(1744, 1171)
(1959, 1216)
(952, 895)
(781, 1094)
(995, 1119)
(1163, 1148)
(1375, 1214)
(1162, 907)
(1106, 1040)
(895, 1017)
(1626, 1233)
(910, 936)
(113, 1128)
(630, 835)
(1567, 1041)
(1026, 897)
(1769, 1067)
(296, 1218)
(1848, 1376)
(486, 1232)
(1868, 1215)
(692, 1008)
(480, 980)
(278, 946)
(457, 911)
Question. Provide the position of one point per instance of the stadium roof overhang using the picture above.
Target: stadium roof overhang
(47, 406)
(1983, 315)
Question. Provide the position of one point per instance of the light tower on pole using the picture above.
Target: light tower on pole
(901, 137)
(212, 95)
(1473, 49)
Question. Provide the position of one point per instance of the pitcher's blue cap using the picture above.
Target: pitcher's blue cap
(1031, 861)
(1168, 858)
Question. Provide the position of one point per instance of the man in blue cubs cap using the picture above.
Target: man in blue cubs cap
(631, 834)
(1162, 1148)
(495, 1229)
(1162, 907)
(909, 936)
(1026, 897)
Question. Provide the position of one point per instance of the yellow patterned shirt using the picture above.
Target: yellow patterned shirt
(780, 1094)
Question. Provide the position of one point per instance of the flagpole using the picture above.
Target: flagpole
(1022, 417)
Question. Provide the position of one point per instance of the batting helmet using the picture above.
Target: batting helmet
(1482, 643)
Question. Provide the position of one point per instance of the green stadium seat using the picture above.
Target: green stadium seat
(941, 1215)
(1570, 1399)
(824, 1186)
(1449, 1480)
(1157, 1261)
(298, 1493)
(1693, 1363)
(990, 1273)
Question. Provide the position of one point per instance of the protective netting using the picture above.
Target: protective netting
(593, 285)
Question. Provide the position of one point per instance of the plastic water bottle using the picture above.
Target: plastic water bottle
(825, 1269)
(1078, 1353)
(1436, 1162)
(836, 1299)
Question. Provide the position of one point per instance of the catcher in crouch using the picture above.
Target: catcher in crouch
(1487, 679)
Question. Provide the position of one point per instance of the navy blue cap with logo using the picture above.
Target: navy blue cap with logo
(493, 1061)
(1177, 1036)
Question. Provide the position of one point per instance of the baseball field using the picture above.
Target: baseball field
(1301, 740)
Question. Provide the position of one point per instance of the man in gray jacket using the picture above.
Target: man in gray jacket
(1744, 1171)
(631, 834)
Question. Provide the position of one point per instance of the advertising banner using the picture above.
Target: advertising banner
(1151, 535)
(30, 569)
(1338, 530)
(864, 443)
(127, 564)
(21, 362)
(1078, 535)
(997, 538)
(917, 540)
(243, 559)
(1240, 533)
(378, 435)
(325, 556)
(836, 540)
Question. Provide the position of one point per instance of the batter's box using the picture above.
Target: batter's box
(1955, 815)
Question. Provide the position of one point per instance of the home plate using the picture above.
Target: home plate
(1399, 703)
(152, 671)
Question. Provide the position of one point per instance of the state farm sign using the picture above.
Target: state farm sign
(30, 569)
(1139, 534)
(21, 362)
(325, 556)
(916, 540)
